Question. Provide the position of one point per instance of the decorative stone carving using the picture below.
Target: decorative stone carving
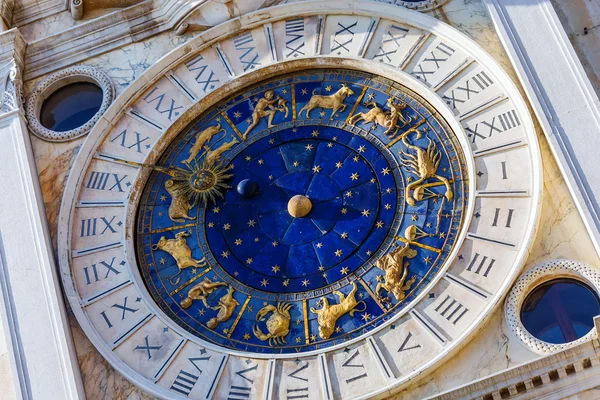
(12, 50)
(6, 12)
(531, 279)
(78, 7)
(57, 80)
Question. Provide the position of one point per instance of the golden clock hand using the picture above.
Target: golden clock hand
(174, 172)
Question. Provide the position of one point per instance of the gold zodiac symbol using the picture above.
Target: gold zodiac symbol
(328, 315)
(180, 251)
(335, 101)
(215, 155)
(278, 323)
(378, 117)
(201, 139)
(265, 108)
(396, 269)
(424, 163)
(179, 207)
(226, 306)
(200, 292)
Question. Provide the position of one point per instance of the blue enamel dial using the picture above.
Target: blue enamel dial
(299, 193)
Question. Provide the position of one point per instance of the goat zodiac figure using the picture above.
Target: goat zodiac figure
(387, 119)
(423, 163)
(334, 102)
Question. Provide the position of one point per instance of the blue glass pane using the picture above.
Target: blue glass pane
(560, 311)
(71, 106)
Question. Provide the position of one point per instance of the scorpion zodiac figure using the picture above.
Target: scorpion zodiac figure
(396, 269)
(200, 292)
(328, 315)
(278, 323)
(334, 102)
(387, 119)
(180, 251)
(423, 163)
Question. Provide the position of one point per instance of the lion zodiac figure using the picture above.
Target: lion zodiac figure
(328, 315)
(423, 163)
(180, 251)
(396, 271)
(333, 102)
(378, 117)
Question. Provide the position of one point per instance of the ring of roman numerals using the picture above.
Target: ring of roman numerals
(468, 91)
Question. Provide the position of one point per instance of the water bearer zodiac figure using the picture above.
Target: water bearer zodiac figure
(265, 107)
(180, 251)
(423, 163)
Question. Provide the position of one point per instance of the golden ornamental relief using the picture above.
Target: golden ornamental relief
(181, 252)
(225, 307)
(378, 117)
(268, 106)
(200, 291)
(329, 314)
(333, 102)
(278, 323)
(201, 139)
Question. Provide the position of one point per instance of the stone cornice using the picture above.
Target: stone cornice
(12, 52)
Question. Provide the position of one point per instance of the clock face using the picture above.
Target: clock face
(353, 199)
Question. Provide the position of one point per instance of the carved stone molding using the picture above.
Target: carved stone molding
(7, 8)
(79, 7)
(12, 51)
(57, 80)
(533, 278)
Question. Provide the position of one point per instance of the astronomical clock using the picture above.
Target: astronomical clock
(318, 202)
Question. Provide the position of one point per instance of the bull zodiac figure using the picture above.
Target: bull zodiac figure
(396, 268)
(180, 251)
(335, 101)
(378, 117)
(328, 315)
(201, 139)
(423, 163)
(200, 292)
(265, 107)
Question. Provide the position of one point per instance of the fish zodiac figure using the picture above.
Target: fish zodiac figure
(200, 292)
(226, 306)
(328, 315)
(201, 139)
(396, 271)
(423, 163)
(378, 117)
(278, 324)
(335, 101)
(265, 107)
(215, 155)
(180, 251)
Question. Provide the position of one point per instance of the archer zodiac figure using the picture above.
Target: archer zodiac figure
(200, 292)
(201, 139)
(265, 107)
(396, 269)
(328, 315)
(180, 251)
(334, 102)
(226, 306)
(423, 163)
(378, 117)
(278, 324)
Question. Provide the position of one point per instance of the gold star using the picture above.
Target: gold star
(361, 149)
(335, 138)
(298, 321)
(414, 217)
(296, 163)
(160, 213)
(251, 223)
(324, 275)
(356, 158)
(344, 210)
(163, 198)
(162, 261)
(365, 213)
(427, 260)
(194, 271)
(248, 261)
(201, 312)
(322, 114)
(246, 336)
(316, 169)
(315, 133)
(298, 340)
(226, 226)
(304, 91)
(305, 282)
(284, 91)
(338, 329)
(313, 338)
(275, 268)
(309, 147)
(271, 141)
(388, 206)
(442, 235)
(256, 239)
(344, 235)
(321, 268)
(373, 180)
(371, 96)
(238, 242)
(338, 253)
(225, 254)
(388, 190)
(274, 244)
(261, 162)
(330, 145)
(236, 273)
(264, 282)
(379, 278)
(211, 224)
(328, 88)
(216, 210)
(226, 331)
(319, 245)
(385, 171)
(349, 193)
(270, 177)
(338, 164)
(379, 224)
(286, 282)
(344, 271)
(369, 252)
(237, 114)
(248, 158)
(366, 316)
(354, 176)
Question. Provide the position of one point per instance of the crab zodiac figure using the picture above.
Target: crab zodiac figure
(265, 107)
(335, 101)
(423, 163)
(328, 315)
(278, 324)
(180, 251)
(387, 119)
(396, 269)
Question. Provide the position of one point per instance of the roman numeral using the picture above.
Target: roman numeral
(481, 264)
(148, 347)
(340, 40)
(405, 347)
(498, 124)
(137, 142)
(208, 80)
(106, 181)
(451, 310)
(508, 217)
(390, 43)
(89, 226)
(123, 307)
(294, 32)
(504, 170)
(91, 272)
(431, 64)
(184, 382)
(301, 393)
(245, 43)
(348, 365)
(472, 86)
(239, 393)
(171, 108)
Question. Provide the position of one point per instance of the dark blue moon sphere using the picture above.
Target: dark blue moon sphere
(247, 188)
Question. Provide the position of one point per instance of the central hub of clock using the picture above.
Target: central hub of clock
(299, 206)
